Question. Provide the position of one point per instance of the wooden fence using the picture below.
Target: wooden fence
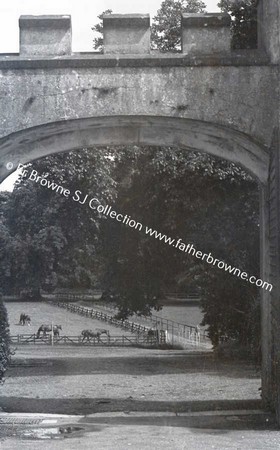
(133, 327)
(108, 341)
(168, 331)
(154, 321)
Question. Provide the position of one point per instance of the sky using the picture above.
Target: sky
(84, 15)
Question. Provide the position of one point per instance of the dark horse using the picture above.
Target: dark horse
(89, 334)
(152, 336)
(24, 318)
(47, 329)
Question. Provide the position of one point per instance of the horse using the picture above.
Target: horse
(24, 318)
(89, 334)
(48, 328)
(152, 335)
(197, 333)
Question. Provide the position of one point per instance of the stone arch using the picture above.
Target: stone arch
(37, 142)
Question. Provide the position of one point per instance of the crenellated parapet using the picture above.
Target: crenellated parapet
(207, 81)
(124, 34)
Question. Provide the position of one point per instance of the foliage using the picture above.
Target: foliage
(244, 23)
(98, 28)
(162, 188)
(6, 244)
(166, 27)
(230, 309)
(54, 240)
(4, 339)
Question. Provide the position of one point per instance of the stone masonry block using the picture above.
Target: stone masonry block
(45, 35)
(126, 33)
(205, 33)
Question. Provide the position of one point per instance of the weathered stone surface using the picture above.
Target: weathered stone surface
(205, 20)
(11, 61)
(205, 33)
(269, 28)
(229, 96)
(44, 140)
(126, 33)
(45, 35)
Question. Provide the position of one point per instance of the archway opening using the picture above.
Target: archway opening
(84, 137)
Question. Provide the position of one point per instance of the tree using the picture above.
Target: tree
(166, 27)
(98, 28)
(54, 240)
(244, 22)
(210, 203)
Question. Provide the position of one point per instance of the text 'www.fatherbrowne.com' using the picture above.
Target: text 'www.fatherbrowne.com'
(107, 210)
(190, 249)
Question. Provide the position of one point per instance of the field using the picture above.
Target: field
(90, 379)
(189, 315)
(42, 313)
(184, 314)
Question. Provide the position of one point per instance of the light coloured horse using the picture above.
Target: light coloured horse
(89, 334)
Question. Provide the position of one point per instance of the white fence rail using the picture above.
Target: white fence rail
(108, 341)
(169, 331)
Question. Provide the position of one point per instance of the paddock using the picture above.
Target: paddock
(74, 378)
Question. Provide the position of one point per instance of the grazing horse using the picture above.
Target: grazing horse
(47, 329)
(24, 318)
(89, 334)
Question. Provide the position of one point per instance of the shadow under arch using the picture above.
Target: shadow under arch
(34, 143)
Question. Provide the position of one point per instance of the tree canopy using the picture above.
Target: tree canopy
(98, 28)
(166, 26)
(207, 202)
(50, 239)
(244, 22)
